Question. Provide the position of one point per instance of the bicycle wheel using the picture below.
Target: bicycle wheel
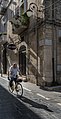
(11, 87)
(19, 89)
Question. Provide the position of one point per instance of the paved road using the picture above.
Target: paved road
(11, 108)
(35, 103)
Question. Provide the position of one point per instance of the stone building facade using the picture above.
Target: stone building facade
(37, 40)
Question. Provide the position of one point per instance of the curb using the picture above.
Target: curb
(54, 88)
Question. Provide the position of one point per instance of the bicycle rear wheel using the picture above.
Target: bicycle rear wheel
(19, 89)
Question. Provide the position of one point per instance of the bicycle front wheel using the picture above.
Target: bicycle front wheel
(19, 89)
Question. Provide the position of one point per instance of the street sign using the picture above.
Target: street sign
(11, 46)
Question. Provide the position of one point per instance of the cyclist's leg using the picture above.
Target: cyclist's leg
(11, 82)
(15, 80)
(11, 87)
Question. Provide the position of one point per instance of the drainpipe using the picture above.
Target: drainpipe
(53, 20)
(1, 60)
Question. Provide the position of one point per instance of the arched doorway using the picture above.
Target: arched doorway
(5, 58)
(22, 59)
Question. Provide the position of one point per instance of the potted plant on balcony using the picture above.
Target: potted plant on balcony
(24, 19)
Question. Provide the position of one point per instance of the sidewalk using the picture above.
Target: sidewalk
(52, 88)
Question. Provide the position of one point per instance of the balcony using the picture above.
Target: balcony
(2, 10)
(19, 23)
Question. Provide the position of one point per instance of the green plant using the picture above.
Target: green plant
(24, 19)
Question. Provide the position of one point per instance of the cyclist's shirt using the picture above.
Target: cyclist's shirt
(14, 72)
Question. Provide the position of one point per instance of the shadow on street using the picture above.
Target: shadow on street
(12, 108)
(35, 104)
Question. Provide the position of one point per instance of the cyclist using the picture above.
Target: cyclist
(13, 73)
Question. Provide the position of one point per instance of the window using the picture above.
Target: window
(59, 36)
(60, 39)
(22, 9)
(17, 11)
(23, 6)
(22, 38)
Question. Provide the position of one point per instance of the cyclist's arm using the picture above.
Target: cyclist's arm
(10, 71)
(19, 72)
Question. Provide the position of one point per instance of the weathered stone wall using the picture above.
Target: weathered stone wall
(59, 55)
(48, 54)
(32, 56)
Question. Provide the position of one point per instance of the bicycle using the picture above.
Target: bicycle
(17, 87)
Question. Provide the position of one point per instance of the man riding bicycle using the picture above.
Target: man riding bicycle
(13, 73)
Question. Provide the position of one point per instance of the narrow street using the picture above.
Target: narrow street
(34, 104)
(30, 49)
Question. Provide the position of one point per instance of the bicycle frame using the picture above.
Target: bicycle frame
(15, 85)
